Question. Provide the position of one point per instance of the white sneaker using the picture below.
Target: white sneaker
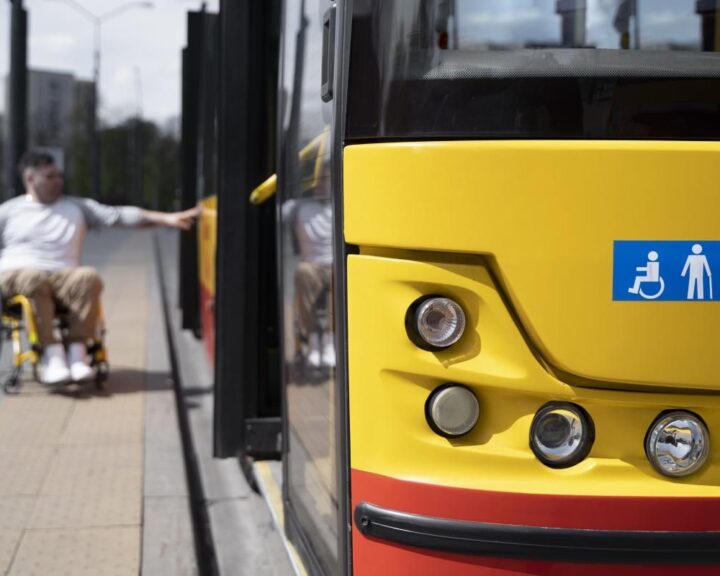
(328, 354)
(313, 356)
(54, 365)
(314, 359)
(77, 356)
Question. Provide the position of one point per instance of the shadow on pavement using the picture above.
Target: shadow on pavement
(121, 381)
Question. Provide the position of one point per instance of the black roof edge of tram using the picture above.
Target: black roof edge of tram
(537, 543)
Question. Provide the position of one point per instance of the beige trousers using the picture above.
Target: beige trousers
(311, 280)
(75, 289)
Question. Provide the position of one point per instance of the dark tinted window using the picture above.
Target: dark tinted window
(534, 69)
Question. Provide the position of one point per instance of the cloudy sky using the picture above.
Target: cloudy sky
(140, 50)
(662, 22)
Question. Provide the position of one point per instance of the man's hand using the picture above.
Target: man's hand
(181, 220)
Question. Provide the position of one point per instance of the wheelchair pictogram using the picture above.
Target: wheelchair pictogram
(652, 276)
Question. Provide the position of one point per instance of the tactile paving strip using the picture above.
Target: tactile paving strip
(84, 552)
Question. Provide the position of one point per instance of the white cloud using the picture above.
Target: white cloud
(122, 79)
(57, 43)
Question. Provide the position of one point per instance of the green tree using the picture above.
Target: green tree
(78, 175)
(139, 164)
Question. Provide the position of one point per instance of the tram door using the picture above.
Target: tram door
(306, 254)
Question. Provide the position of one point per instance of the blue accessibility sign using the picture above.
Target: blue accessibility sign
(666, 270)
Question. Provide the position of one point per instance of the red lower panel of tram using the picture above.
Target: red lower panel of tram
(207, 317)
(373, 556)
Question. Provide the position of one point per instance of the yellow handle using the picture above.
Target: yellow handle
(264, 191)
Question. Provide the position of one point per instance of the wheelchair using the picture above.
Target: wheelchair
(303, 372)
(17, 324)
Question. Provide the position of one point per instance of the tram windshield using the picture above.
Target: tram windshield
(640, 69)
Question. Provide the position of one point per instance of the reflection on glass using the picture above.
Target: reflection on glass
(307, 264)
(600, 24)
(309, 219)
(635, 69)
(308, 269)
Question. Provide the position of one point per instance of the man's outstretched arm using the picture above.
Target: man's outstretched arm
(100, 215)
(182, 220)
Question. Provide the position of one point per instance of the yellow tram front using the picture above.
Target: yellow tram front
(525, 210)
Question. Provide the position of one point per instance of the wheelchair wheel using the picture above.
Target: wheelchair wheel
(102, 372)
(11, 385)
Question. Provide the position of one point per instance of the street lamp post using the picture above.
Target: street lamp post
(97, 21)
(17, 98)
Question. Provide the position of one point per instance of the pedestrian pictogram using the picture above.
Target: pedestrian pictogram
(665, 270)
(696, 267)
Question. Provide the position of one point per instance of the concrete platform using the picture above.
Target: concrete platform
(98, 482)
(94, 482)
(243, 539)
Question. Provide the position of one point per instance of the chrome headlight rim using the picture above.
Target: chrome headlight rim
(584, 446)
(412, 319)
(428, 410)
(669, 415)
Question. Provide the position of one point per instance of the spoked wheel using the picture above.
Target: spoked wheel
(102, 372)
(11, 385)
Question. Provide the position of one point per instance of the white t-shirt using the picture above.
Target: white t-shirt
(314, 228)
(50, 236)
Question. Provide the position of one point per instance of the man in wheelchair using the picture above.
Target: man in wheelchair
(41, 239)
(312, 230)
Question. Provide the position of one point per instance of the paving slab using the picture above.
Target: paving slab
(9, 542)
(95, 470)
(32, 420)
(80, 510)
(168, 535)
(85, 552)
(23, 469)
(15, 512)
(165, 473)
(105, 422)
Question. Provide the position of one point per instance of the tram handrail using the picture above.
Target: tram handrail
(264, 191)
(267, 189)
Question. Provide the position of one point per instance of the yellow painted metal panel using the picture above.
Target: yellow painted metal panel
(207, 242)
(390, 380)
(546, 215)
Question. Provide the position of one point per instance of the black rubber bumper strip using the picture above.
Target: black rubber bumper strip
(537, 543)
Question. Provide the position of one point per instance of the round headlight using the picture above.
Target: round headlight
(435, 322)
(452, 410)
(561, 434)
(677, 443)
